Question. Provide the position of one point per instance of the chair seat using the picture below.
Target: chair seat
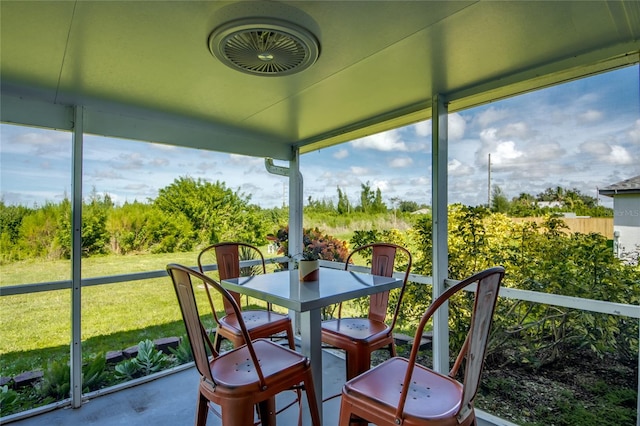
(234, 369)
(356, 329)
(255, 321)
(432, 396)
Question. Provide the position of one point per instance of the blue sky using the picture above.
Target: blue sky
(584, 135)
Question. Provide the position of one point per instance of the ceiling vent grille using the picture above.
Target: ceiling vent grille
(266, 47)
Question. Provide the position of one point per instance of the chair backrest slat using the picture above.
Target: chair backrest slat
(484, 307)
(474, 348)
(227, 257)
(181, 277)
(195, 331)
(383, 259)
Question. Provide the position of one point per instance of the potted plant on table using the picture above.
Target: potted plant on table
(309, 264)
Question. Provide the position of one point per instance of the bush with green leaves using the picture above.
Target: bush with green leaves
(216, 212)
(8, 400)
(182, 352)
(142, 228)
(148, 360)
(56, 381)
(544, 258)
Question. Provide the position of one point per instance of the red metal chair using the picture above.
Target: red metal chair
(260, 323)
(359, 337)
(242, 378)
(401, 392)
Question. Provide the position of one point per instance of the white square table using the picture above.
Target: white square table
(285, 289)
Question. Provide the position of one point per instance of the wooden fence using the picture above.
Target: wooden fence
(598, 225)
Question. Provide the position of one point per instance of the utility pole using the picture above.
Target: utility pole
(489, 183)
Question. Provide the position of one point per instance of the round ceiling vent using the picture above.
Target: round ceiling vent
(264, 46)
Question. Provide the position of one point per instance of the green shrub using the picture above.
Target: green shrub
(148, 360)
(8, 400)
(183, 352)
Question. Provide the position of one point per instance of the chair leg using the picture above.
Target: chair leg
(311, 399)
(217, 341)
(202, 410)
(267, 412)
(237, 411)
(392, 350)
(357, 363)
(345, 414)
(292, 342)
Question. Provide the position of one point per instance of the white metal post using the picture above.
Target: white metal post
(76, 257)
(439, 187)
(295, 218)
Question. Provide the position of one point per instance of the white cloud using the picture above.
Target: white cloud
(129, 161)
(400, 162)
(505, 151)
(604, 153)
(159, 162)
(544, 152)
(359, 171)
(383, 185)
(457, 126)
(52, 144)
(456, 168)
(590, 116)
(491, 115)
(386, 141)
(423, 128)
(634, 133)
(596, 148)
(339, 155)
(519, 130)
(619, 155)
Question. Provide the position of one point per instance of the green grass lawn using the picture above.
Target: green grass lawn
(36, 327)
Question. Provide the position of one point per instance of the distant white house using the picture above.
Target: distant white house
(626, 218)
(551, 204)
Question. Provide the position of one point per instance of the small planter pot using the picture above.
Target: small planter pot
(309, 270)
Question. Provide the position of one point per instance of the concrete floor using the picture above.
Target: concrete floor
(171, 401)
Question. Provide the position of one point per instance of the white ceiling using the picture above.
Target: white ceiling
(142, 69)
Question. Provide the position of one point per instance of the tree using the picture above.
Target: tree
(378, 205)
(343, 202)
(140, 228)
(95, 238)
(408, 206)
(367, 197)
(499, 201)
(216, 212)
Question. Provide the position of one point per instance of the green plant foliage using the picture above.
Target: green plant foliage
(56, 381)
(543, 258)
(140, 228)
(148, 360)
(8, 400)
(183, 352)
(95, 237)
(127, 369)
(216, 213)
(94, 373)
